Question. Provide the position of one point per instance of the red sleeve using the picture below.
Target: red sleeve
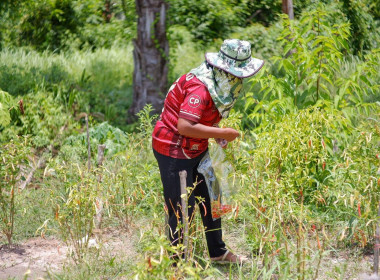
(194, 103)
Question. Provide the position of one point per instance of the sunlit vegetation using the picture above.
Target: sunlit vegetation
(306, 167)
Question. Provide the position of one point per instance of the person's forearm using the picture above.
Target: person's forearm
(200, 131)
(197, 130)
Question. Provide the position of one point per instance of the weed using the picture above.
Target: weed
(13, 157)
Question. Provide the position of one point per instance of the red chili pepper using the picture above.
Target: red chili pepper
(319, 243)
(359, 211)
(219, 210)
(324, 165)
(226, 209)
(205, 209)
(313, 227)
(262, 209)
(215, 211)
(276, 252)
(215, 215)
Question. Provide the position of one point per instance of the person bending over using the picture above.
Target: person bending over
(193, 108)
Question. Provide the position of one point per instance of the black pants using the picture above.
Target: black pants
(169, 169)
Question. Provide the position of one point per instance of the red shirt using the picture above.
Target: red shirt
(188, 98)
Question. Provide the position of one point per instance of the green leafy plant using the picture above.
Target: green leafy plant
(46, 24)
(74, 210)
(42, 119)
(5, 105)
(130, 183)
(146, 120)
(13, 157)
(362, 25)
(309, 71)
(159, 262)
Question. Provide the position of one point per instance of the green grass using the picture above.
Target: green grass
(266, 229)
(298, 199)
(101, 80)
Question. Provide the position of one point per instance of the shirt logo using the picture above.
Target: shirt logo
(195, 147)
(194, 101)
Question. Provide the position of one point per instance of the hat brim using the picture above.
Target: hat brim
(239, 69)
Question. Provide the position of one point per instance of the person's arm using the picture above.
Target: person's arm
(222, 142)
(196, 130)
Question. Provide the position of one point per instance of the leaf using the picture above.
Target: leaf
(365, 80)
(336, 101)
(6, 98)
(6, 101)
(326, 78)
(324, 87)
(5, 117)
(288, 65)
(288, 48)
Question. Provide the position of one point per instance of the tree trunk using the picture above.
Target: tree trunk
(150, 55)
(107, 11)
(287, 8)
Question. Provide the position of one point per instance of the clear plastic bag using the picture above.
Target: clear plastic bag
(218, 172)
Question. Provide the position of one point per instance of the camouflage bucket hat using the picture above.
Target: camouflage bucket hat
(235, 58)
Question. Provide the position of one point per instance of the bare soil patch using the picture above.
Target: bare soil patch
(38, 255)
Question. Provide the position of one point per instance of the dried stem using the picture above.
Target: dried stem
(377, 243)
(182, 176)
(88, 145)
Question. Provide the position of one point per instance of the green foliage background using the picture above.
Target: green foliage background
(306, 166)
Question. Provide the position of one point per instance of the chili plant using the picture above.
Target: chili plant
(75, 209)
(13, 156)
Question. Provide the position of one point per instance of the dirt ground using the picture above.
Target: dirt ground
(38, 255)
(35, 256)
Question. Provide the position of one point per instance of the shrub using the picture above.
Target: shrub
(206, 20)
(13, 157)
(42, 119)
(309, 72)
(7, 105)
(362, 26)
(316, 166)
(74, 210)
(46, 24)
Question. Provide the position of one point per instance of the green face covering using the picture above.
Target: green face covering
(224, 88)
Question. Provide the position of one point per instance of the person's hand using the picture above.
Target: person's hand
(222, 142)
(230, 134)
